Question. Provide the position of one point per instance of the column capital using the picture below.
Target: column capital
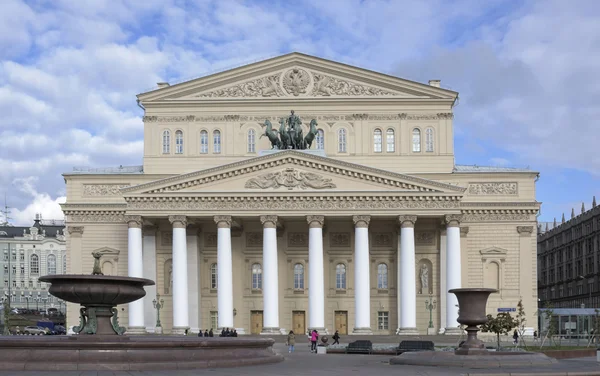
(453, 220)
(75, 230)
(268, 221)
(407, 220)
(464, 230)
(525, 230)
(178, 221)
(315, 221)
(149, 230)
(133, 221)
(361, 220)
(223, 221)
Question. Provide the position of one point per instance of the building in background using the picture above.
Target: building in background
(569, 260)
(26, 254)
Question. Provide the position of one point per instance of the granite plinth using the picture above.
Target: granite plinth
(136, 353)
(493, 360)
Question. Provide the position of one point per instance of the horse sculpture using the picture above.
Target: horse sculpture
(283, 135)
(312, 133)
(271, 134)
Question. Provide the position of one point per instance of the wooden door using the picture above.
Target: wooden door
(256, 322)
(298, 322)
(341, 322)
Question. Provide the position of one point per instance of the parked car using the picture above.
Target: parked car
(59, 329)
(35, 330)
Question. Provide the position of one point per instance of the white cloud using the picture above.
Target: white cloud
(41, 203)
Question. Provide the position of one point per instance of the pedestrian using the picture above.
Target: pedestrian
(535, 336)
(291, 341)
(314, 337)
(206, 333)
(515, 337)
(211, 334)
(336, 338)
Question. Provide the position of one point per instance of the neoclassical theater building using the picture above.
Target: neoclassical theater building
(364, 229)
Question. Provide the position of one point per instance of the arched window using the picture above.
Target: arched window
(51, 263)
(342, 140)
(377, 141)
(34, 264)
(298, 277)
(203, 142)
(320, 140)
(64, 264)
(340, 276)
(251, 141)
(416, 140)
(179, 142)
(213, 277)
(429, 140)
(390, 140)
(166, 142)
(216, 142)
(256, 277)
(382, 276)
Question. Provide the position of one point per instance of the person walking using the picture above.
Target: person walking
(336, 338)
(515, 337)
(291, 341)
(314, 337)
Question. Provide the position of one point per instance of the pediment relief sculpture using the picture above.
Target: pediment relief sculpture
(291, 179)
(296, 82)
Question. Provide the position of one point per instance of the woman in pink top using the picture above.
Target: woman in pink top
(314, 337)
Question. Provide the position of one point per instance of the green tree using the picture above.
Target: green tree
(503, 323)
(521, 320)
(551, 329)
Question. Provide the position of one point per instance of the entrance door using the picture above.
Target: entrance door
(341, 322)
(298, 321)
(256, 322)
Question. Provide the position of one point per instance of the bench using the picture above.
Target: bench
(410, 346)
(359, 347)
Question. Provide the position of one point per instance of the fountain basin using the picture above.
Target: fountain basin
(131, 353)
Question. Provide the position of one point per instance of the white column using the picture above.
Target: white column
(398, 282)
(135, 269)
(180, 275)
(362, 285)
(443, 289)
(453, 271)
(224, 272)
(149, 257)
(316, 280)
(270, 275)
(193, 280)
(407, 282)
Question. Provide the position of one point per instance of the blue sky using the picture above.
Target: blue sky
(526, 71)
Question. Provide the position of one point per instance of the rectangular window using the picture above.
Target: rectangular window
(383, 320)
(214, 319)
(21, 257)
(30, 284)
(579, 289)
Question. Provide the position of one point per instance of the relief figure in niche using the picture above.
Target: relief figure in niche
(168, 276)
(424, 279)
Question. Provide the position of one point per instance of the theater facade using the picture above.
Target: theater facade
(347, 214)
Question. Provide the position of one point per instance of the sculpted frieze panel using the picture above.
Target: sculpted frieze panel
(254, 239)
(493, 217)
(381, 239)
(289, 178)
(96, 217)
(510, 188)
(166, 238)
(260, 87)
(103, 189)
(425, 237)
(297, 239)
(325, 85)
(210, 239)
(169, 119)
(339, 239)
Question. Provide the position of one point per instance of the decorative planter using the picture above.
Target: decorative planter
(471, 305)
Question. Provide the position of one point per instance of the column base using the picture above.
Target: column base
(453, 331)
(179, 330)
(362, 331)
(136, 330)
(431, 331)
(158, 330)
(407, 332)
(270, 331)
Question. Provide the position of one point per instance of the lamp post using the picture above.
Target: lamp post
(44, 300)
(430, 305)
(158, 304)
(5, 313)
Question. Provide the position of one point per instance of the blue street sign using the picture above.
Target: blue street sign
(507, 309)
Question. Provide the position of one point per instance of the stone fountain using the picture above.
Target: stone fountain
(100, 342)
(472, 353)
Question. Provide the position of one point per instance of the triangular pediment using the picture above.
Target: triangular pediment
(296, 76)
(493, 252)
(292, 171)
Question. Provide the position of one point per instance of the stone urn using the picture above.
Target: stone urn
(471, 305)
(324, 340)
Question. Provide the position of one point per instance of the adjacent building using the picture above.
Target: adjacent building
(28, 253)
(569, 260)
(355, 232)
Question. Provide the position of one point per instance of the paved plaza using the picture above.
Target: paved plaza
(302, 362)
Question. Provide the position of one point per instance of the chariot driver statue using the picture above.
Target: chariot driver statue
(293, 121)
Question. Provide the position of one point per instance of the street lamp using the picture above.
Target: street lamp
(44, 300)
(28, 298)
(430, 305)
(589, 292)
(158, 304)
